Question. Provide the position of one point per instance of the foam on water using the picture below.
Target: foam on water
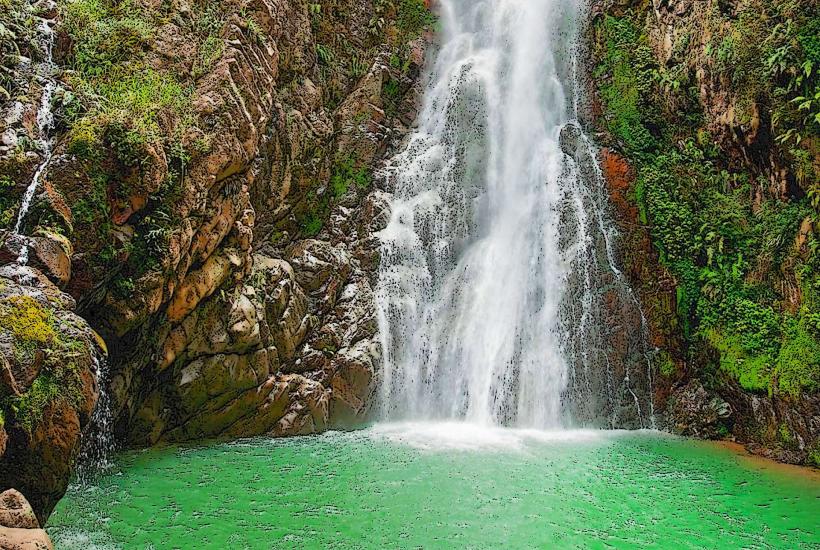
(469, 437)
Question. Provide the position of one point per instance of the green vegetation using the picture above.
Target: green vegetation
(19, 20)
(746, 273)
(124, 114)
(394, 23)
(17, 33)
(413, 18)
(347, 173)
(34, 327)
(113, 84)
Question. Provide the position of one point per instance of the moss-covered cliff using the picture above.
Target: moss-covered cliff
(711, 111)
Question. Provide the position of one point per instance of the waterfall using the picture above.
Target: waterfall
(98, 445)
(45, 72)
(499, 297)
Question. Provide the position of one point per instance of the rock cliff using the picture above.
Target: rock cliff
(207, 196)
(209, 203)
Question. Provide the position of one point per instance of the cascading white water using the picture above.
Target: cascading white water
(98, 443)
(493, 265)
(46, 72)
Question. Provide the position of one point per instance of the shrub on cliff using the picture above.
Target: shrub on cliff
(743, 248)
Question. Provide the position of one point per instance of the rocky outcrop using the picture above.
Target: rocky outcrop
(694, 412)
(262, 330)
(289, 352)
(210, 206)
(49, 359)
(260, 317)
(19, 528)
(787, 430)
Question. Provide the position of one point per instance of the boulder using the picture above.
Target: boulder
(52, 357)
(570, 139)
(16, 512)
(694, 411)
(19, 528)
(51, 253)
(24, 539)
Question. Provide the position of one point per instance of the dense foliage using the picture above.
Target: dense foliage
(737, 230)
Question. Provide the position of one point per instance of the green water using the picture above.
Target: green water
(443, 486)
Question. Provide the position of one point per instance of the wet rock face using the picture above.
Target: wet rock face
(569, 139)
(228, 261)
(289, 351)
(779, 429)
(787, 430)
(48, 386)
(695, 412)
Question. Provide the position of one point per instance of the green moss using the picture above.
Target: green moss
(113, 85)
(123, 287)
(209, 22)
(60, 382)
(123, 111)
(31, 324)
(8, 201)
(752, 371)
(666, 366)
(391, 95)
(728, 249)
(33, 327)
(349, 172)
(29, 408)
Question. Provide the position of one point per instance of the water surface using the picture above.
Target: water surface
(443, 486)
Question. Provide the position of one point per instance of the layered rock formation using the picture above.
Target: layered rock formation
(210, 205)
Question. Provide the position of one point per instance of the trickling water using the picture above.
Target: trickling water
(98, 443)
(46, 72)
(498, 281)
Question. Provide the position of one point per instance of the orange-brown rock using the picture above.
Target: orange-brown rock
(16, 512)
(222, 315)
(24, 539)
(41, 444)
